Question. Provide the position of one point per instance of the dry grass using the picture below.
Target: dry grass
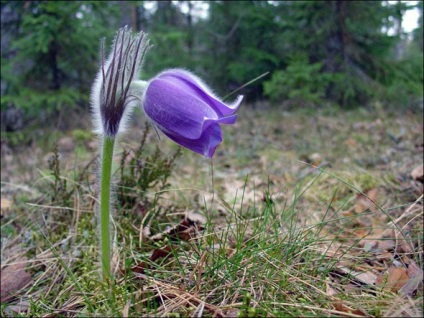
(299, 213)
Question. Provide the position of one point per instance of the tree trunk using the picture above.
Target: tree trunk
(337, 41)
(53, 51)
(134, 17)
(190, 29)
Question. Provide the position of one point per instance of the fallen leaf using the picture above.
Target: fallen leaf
(145, 232)
(366, 278)
(379, 246)
(415, 279)
(402, 243)
(361, 232)
(394, 279)
(125, 311)
(372, 194)
(413, 269)
(350, 142)
(385, 245)
(370, 246)
(13, 278)
(352, 288)
(367, 201)
(21, 307)
(161, 253)
(330, 291)
(157, 253)
(197, 218)
(418, 174)
(185, 231)
(339, 306)
(139, 268)
(315, 159)
(232, 313)
(5, 204)
(385, 256)
(347, 213)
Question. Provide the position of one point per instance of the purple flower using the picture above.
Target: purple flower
(185, 109)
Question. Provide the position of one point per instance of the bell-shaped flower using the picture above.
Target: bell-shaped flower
(111, 98)
(186, 110)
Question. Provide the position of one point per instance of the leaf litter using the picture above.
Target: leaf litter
(369, 252)
(14, 277)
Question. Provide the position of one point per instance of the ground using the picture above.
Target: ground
(300, 212)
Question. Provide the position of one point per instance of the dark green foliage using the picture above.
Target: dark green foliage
(140, 172)
(418, 32)
(344, 37)
(51, 55)
(405, 80)
(357, 56)
(36, 102)
(162, 58)
(171, 34)
(50, 49)
(60, 39)
(342, 44)
(240, 41)
(301, 81)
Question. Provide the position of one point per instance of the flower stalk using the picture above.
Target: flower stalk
(105, 188)
(175, 101)
(111, 103)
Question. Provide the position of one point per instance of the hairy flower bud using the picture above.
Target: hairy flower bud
(111, 99)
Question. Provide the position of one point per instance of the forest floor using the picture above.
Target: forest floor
(299, 213)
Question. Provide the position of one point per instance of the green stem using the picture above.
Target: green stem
(105, 182)
(139, 85)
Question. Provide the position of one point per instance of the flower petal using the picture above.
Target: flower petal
(205, 145)
(186, 110)
(174, 110)
(193, 84)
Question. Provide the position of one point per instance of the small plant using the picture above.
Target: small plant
(301, 80)
(139, 172)
(176, 101)
(60, 192)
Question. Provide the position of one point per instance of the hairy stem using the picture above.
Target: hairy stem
(105, 182)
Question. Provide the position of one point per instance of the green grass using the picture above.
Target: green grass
(266, 265)
(281, 238)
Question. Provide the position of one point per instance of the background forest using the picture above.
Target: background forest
(348, 53)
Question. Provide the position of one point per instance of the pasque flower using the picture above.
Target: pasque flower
(176, 101)
(111, 103)
(186, 110)
(111, 98)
